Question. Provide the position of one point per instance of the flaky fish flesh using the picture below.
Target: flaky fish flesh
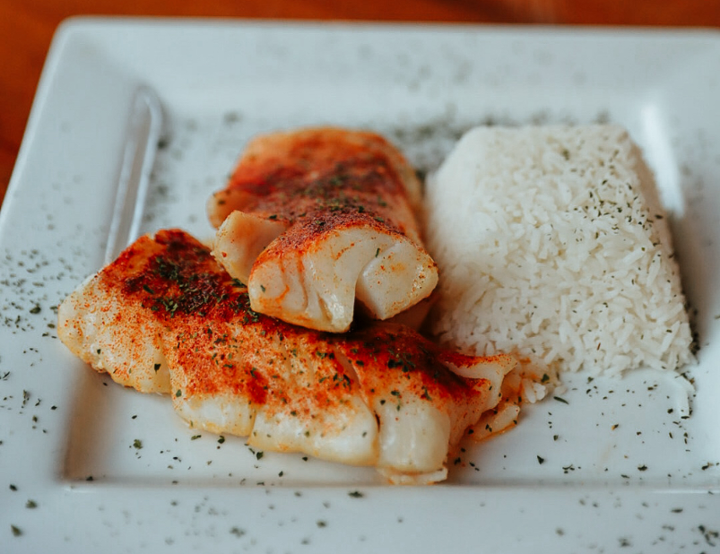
(166, 317)
(318, 220)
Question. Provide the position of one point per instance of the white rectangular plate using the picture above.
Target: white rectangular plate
(87, 466)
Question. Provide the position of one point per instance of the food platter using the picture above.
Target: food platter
(87, 465)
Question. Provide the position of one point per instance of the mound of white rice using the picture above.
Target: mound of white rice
(552, 244)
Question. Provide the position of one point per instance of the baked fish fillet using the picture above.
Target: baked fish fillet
(165, 317)
(315, 219)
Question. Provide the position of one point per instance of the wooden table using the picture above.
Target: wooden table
(27, 26)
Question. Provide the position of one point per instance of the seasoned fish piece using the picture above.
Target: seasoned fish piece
(382, 396)
(317, 219)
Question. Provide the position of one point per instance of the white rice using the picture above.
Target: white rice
(552, 244)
